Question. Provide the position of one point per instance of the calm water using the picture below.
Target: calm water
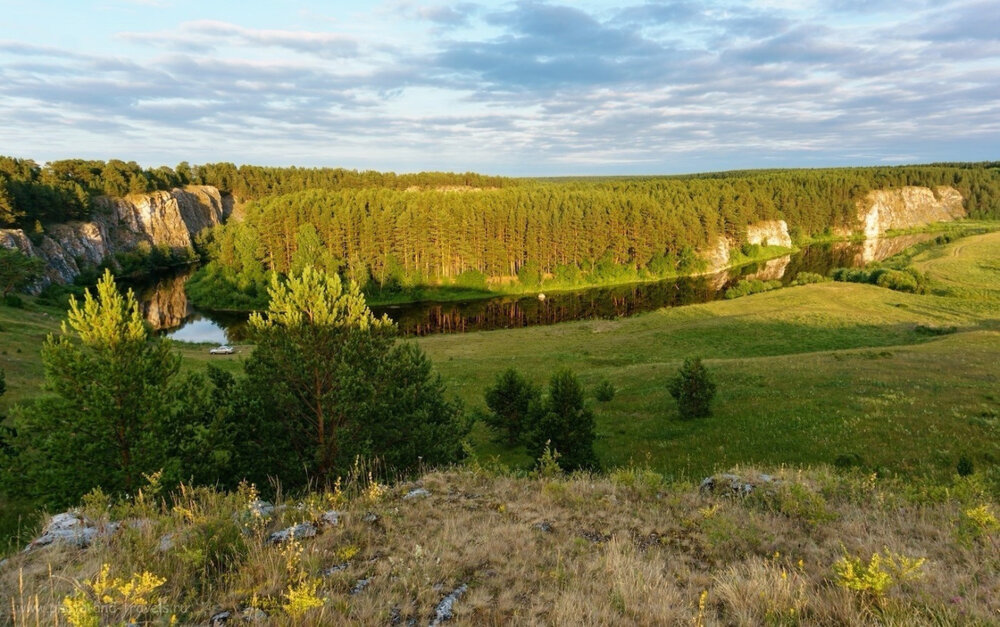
(167, 308)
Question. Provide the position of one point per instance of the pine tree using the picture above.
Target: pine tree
(563, 422)
(109, 379)
(510, 401)
(693, 389)
(331, 374)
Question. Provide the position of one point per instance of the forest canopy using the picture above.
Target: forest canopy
(389, 236)
(392, 231)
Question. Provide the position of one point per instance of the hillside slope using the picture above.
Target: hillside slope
(478, 548)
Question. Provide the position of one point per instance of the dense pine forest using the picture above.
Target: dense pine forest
(394, 232)
(63, 190)
(569, 230)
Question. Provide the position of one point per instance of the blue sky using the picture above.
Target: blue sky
(522, 88)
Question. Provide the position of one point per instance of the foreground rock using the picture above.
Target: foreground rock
(731, 484)
(71, 529)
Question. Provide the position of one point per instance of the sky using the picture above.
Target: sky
(514, 88)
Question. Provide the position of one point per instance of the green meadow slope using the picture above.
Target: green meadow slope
(806, 375)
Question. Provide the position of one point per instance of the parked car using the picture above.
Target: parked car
(222, 350)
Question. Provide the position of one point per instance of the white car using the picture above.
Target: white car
(222, 350)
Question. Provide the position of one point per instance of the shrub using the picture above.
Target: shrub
(471, 278)
(881, 573)
(563, 422)
(605, 391)
(753, 286)
(13, 300)
(964, 466)
(805, 278)
(906, 280)
(899, 281)
(693, 389)
(924, 329)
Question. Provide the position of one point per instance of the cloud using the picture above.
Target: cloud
(206, 35)
(530, 87)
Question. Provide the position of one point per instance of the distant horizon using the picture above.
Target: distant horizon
(528, 88)
(153, 165)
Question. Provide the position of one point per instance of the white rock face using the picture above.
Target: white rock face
(119, 225)
(908, 207)
(718, 255)
(769, 233)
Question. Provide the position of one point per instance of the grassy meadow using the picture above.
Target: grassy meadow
(887, 380)
(806, 375)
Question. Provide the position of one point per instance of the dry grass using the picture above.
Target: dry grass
(623, 549)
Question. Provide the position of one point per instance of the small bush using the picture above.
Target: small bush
(899, 281)
(13, 300)
(605, 391)
(924, 329)
(881, 573)
(964, 466)
(471, 278)
(847, 460)
(806, 278)
(754, 286)
(693, 389)
(908, 279)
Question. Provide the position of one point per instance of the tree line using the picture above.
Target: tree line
(388, 237)
(64, 190)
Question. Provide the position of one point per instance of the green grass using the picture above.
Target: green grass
(805, 374)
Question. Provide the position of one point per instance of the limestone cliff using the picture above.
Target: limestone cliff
(879, 248)
(717, 256)
(769, 233)
(907, 207)
(119, 225)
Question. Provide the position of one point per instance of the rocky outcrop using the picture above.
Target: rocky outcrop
(119, 225)
(908, 207)
(769, 233)
(161, 218)
(717, 256)
(71, 529)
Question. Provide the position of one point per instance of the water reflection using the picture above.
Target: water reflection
(166, 306)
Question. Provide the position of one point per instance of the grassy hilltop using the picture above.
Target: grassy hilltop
(630, 548)
(894, 388)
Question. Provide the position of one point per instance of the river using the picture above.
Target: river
(168, 310)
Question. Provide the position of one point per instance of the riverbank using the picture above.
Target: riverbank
(215, 289)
